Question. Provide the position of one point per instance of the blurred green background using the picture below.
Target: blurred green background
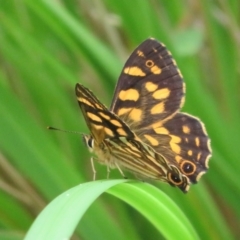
(46, 47)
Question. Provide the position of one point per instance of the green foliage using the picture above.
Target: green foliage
(65, 212)
(46, 48)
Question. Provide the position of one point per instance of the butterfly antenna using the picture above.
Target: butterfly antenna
(57, 129)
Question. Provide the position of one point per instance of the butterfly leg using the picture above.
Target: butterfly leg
(93, 169)
(120, 170)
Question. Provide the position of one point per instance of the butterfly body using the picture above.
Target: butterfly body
(143, 131)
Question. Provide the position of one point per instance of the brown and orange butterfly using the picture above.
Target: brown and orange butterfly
(143, 131)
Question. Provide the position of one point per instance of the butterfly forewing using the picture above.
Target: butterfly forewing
(101, 122)
(150, 88)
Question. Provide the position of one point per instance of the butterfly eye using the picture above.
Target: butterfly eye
(90, 142)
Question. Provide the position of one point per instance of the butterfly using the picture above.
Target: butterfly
(144, 131)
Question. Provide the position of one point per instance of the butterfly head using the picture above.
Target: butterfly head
(89, 141)
(93, 146)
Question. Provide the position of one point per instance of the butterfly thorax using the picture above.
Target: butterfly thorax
(101, 151)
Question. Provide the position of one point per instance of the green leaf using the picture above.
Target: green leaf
(59, 219)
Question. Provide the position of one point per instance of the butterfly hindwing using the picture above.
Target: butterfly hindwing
(183, 141)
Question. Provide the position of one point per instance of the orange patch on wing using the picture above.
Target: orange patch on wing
(151, 139)
(150, 86)
(161, 130)
(161, 93)
(134, 71)
(94, 117)
(186, 129)
(158, 108)
(130, 94)
(136, 114)
(122, 111)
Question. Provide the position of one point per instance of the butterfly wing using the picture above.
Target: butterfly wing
(141, 159)
(102, 123)
(148, 97)
(183, 141)
(150, 88)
